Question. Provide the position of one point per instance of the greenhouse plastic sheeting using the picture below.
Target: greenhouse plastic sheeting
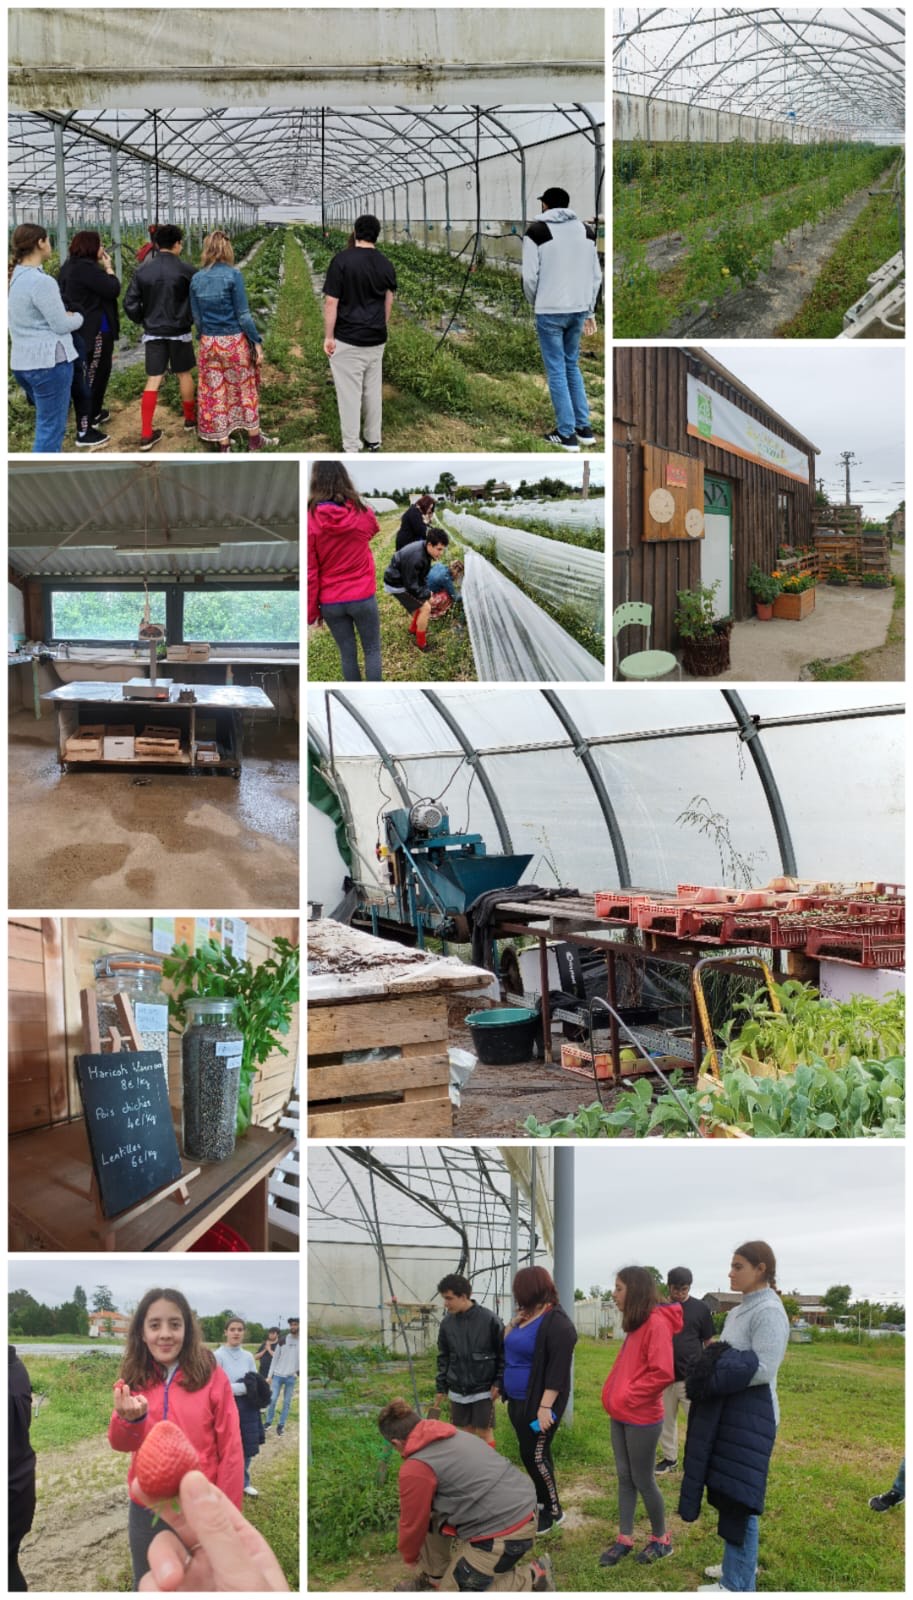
(513, 639)
(380, 503)
(556, 513)
(564, 574)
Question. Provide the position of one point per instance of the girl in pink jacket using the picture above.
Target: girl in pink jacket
(168, 1375)
(342, 582)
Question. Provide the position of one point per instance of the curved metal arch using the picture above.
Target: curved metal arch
(388, 761)
(585, 755)
(475, 761)
(750, 734)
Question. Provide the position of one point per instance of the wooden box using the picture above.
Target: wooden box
(793, 607)
(406, 1093)
(119, 747)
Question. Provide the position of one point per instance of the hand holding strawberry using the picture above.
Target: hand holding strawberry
(209, 1546)
(129, 1406)
(162, 1459)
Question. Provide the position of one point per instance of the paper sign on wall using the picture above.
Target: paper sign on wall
(715, 419)
(169, 931)
(234, 936)
(676, 477)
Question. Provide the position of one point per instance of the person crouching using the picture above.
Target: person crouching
(467, 1517)
(406, 578)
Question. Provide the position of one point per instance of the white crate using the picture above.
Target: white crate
(119, 747)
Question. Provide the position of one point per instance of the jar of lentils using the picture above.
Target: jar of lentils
(211, 1053)
(137, 975)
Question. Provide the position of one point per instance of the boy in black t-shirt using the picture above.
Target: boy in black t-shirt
(686, 1347)
(358, 298)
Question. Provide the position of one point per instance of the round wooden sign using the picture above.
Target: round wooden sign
(694, 523)
(662, 505)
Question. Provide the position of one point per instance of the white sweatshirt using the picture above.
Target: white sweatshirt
(561, 270)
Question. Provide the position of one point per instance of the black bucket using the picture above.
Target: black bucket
(504, 1036)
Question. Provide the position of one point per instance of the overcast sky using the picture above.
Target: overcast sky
(842, 395)
(386, 475)
(260, 1289)
(832, 1212)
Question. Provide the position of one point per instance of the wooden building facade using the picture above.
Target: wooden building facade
(707, 480)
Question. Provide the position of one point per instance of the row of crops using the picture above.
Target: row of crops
(564, 575)
(718, 211)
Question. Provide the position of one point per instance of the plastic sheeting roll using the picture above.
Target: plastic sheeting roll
(564, 574)
(513, 640)
(381, 503)
(557, 513)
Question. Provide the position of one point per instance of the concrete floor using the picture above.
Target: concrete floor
(95, 840)
(843, 621)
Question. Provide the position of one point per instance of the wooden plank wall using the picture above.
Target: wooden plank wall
(650, 404)
(50, 960)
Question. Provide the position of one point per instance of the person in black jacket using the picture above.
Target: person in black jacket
(416, 521)
(538, 1365)
(470, 1358)
(406, 578)
(686, 1348)
(159, 298)
(88, 283)
(21, 1468)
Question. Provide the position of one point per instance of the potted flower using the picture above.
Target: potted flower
(705, 638)
(875, 580)
(796, 599)
(837, 578)
(765, 588)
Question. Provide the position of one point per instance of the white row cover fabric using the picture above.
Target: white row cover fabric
(564, 574)
(381, 503)
(555, 513)
(513, 639)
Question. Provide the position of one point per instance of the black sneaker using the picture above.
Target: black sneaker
(190, 427)
(665, 1466)
(280, 1430)
(91, 439)
(547, 1523)
(886, 1502)
(103, 416)
(154, 437)
(567, 441)
(653, 1550)
(586, 436)
(615, 1553)
(372, 447)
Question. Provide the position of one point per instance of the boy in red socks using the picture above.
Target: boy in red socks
(159, 298)
(406, 578)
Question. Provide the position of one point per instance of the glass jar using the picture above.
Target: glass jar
(138, 975)
(211, 1054)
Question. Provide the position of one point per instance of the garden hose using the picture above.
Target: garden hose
(597, 1000)
(476, 238)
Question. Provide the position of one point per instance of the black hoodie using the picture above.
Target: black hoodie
(470, 1351)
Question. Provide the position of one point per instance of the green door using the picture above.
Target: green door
(716, 545)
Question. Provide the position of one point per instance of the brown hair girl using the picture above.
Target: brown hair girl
(25, 240)
(532, 1287)
(759, 1254)
(331, 482)
(138, 1368)
(85, 246)
(640, 1297)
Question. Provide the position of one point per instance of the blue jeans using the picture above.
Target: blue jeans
(900, 1482)
(559, 334)
(740, 1561)
(288, 1384)
(48, 390)
(343, 618)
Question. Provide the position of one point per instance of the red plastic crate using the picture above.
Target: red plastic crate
(617, 906)
(858, 947)
(679, 922)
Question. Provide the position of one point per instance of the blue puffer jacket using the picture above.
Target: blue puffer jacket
(731, 1434)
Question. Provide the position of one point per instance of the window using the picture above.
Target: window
(102, 615)
(241, 616)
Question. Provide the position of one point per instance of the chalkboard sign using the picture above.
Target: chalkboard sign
(128, 1121)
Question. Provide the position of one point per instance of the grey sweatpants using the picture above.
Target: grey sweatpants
(141, 1534)
(358, 375)
(635, 1454)
(344, 618)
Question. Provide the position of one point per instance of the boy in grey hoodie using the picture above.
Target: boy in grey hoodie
(562, 278)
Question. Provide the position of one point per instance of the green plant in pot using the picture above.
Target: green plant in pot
(837, 578)
(764, 587)
(263, 997)
(705, 638)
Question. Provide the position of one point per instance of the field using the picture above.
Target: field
(693, 223)
(79, 1538)
(483, 389)
(840, 1441)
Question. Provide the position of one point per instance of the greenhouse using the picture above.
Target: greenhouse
(356, 114)
(590, 912)
(759, 173)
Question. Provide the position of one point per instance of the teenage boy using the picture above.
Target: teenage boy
(159, 298)
(470, 1358)
(686, 1347)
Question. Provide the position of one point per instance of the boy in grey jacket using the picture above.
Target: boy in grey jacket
(562, 278)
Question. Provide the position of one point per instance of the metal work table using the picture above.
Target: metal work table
(16, 660)
(224, 703)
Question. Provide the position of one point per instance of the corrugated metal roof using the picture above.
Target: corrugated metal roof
(108, 503)
(268, 559)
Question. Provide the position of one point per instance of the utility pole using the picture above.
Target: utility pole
(585, 489)
(846, 456)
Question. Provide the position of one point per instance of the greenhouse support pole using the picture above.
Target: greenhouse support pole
(447, 208)
(408, 216)
(61, 191)
(514, 1230)
(171, 197)
(14, 218)
(598, 154)
(585, 755)
(564, 1237)
(382, 751)
(475, 761)
(424, 213)
(149, 206)
(750, 734)
(115, 218)
(532, 1207)
(188, 224)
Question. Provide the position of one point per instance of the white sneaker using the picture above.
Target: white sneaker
(249, 1489)
(703, 1588)
(714, 1572)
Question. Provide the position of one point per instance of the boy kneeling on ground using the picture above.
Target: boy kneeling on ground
(467, 1517)
(406, 578)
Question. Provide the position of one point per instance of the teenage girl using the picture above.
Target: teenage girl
(538, 1355)
(168, 1375)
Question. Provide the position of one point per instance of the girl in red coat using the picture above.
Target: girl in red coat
(342, 583)
(168, 1375)
(633, 1397)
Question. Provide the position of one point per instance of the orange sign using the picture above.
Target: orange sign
(677, 477)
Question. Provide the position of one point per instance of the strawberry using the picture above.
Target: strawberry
(162, 1460)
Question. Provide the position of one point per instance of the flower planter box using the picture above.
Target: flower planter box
(793, 607)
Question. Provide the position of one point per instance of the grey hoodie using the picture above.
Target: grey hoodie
(561, 270)
(759, 1323)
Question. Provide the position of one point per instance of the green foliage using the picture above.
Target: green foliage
(263, 995)
(866, 246)
(694, 618)
(111, 614)
(220, 616)
(875, 580)
(808, 1028)
(763, 585)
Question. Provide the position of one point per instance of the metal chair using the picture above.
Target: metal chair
(644, 665)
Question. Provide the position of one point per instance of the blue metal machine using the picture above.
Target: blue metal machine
(435, 874)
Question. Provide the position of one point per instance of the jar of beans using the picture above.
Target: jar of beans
(138, 975)
(211, 1053)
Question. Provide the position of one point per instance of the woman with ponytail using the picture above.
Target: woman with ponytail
(734, 1415)
(43, 354)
